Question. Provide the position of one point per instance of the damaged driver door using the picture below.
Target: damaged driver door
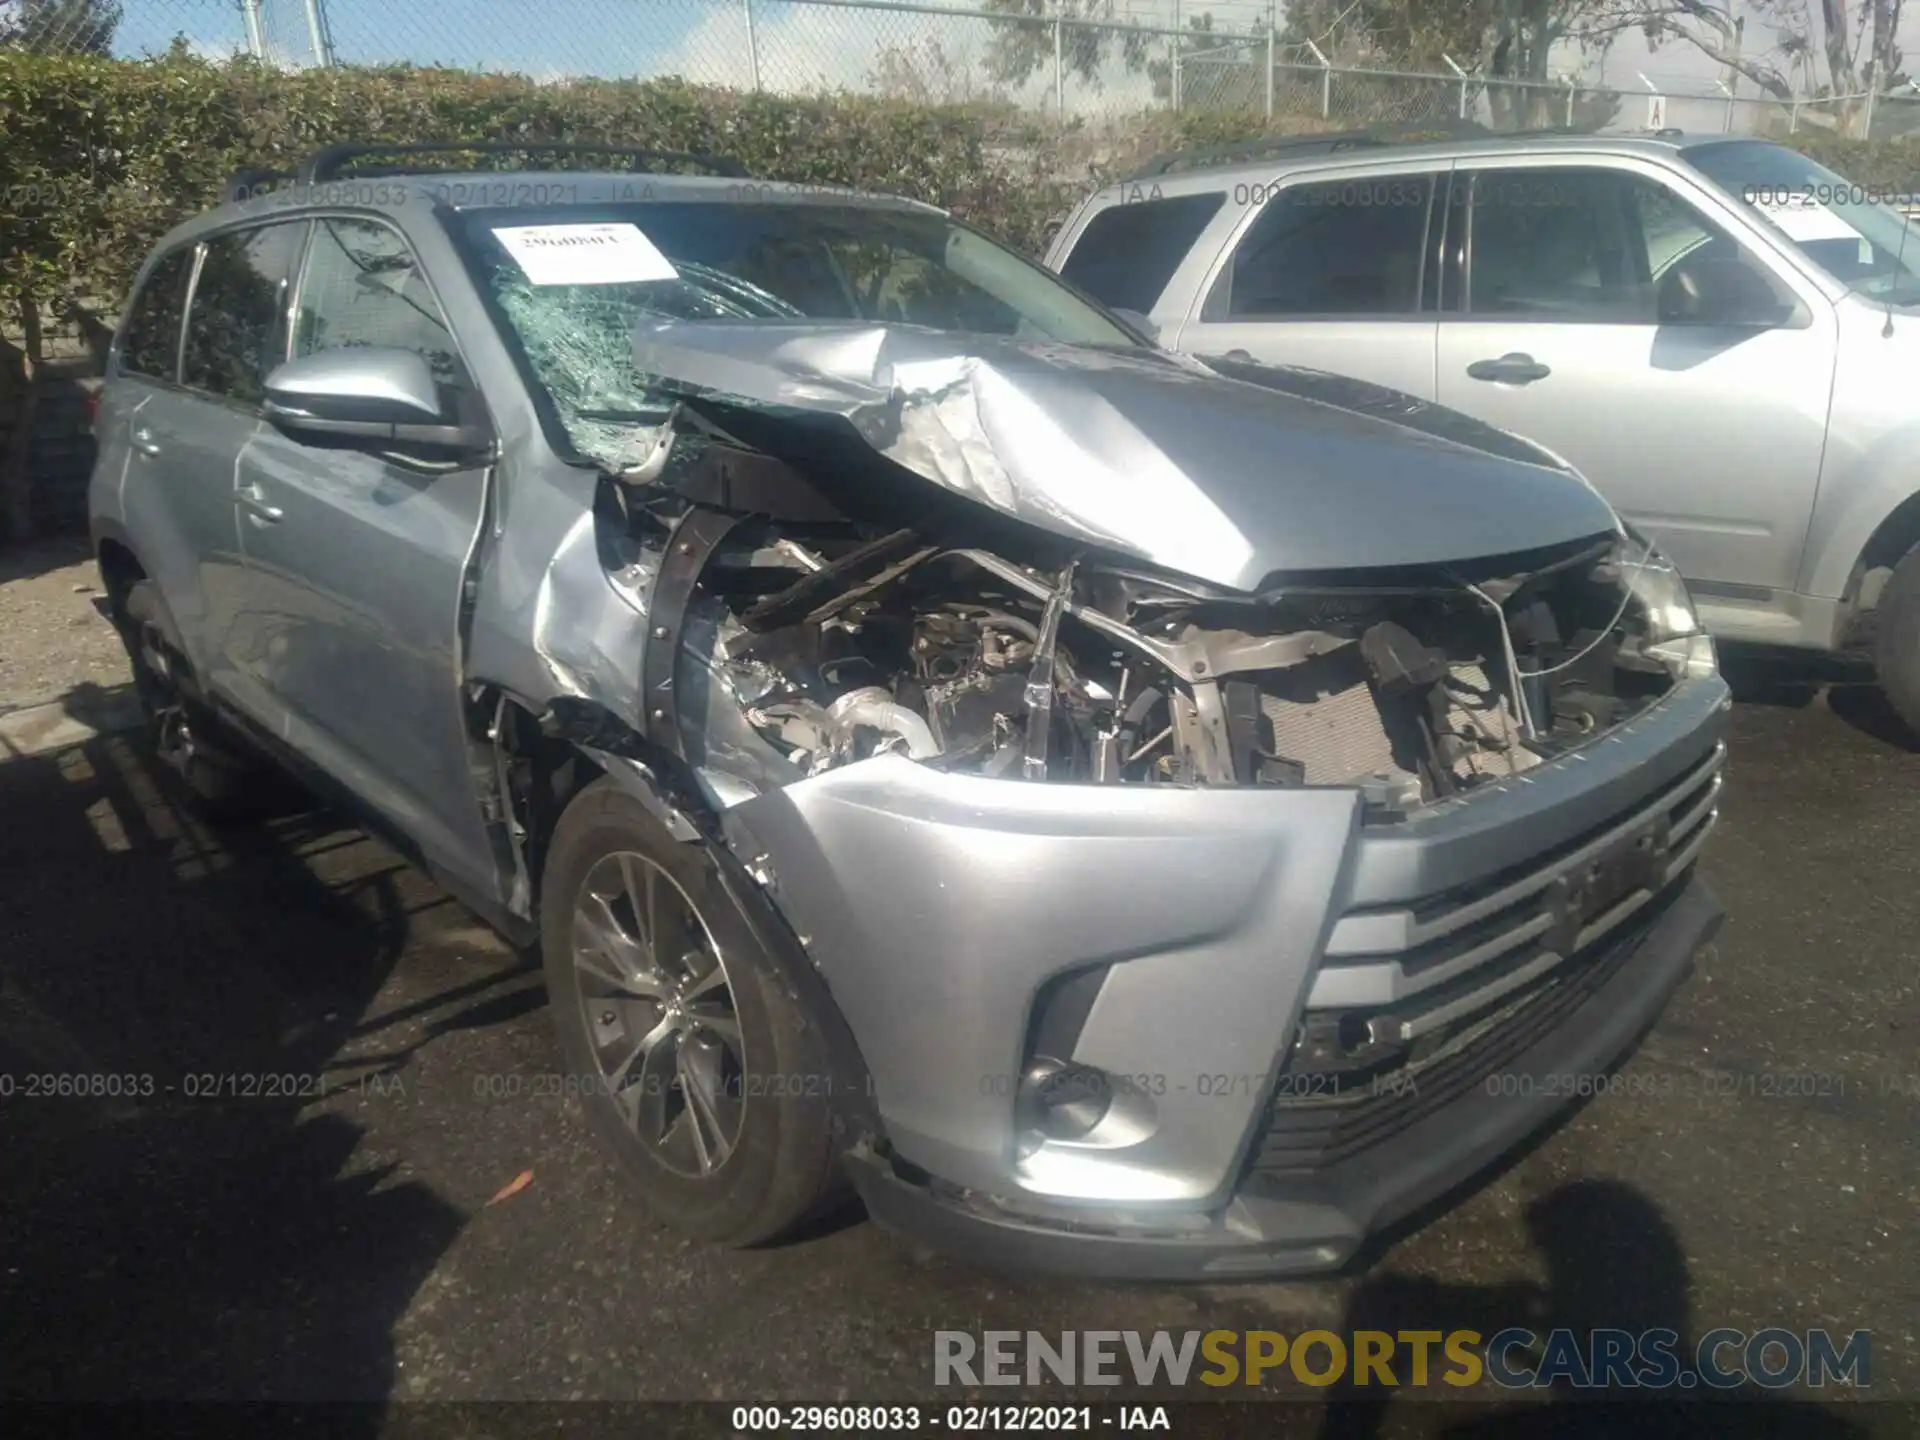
(355, 556)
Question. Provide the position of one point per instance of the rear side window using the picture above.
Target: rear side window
(364, 286)
(1129, 251)
(150, 344)
(234, 328)
(1336, 247)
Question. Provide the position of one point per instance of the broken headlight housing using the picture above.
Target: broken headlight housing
(1672, 635)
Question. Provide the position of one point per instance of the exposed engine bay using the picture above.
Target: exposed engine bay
(850, 542)
(808, 648)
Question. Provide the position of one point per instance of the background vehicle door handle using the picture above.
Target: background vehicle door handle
(1512, 369)
(145, 441)
(256, 506)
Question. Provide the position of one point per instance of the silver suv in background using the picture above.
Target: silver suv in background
(1720, 333)
(1122, 816)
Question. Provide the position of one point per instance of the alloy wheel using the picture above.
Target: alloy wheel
(659, 1015)
(166, 707)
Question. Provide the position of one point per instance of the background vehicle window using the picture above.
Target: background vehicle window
(234, 333)
(1339, 247)
(151, 342)
(363, 286)
(1842, 227)
(1587, 246)
(1556, 244)
(1128, 252)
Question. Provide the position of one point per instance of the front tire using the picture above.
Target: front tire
(1896, 647)
(693, 1062)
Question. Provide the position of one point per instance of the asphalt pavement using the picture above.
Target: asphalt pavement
(332, 1169)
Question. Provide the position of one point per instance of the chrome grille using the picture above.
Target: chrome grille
(1458, 951)
(1454, 986)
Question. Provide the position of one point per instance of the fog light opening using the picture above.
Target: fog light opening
(1060, 1100)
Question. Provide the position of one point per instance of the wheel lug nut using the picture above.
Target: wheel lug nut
(607, 1017)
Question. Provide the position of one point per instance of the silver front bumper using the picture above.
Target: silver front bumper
(938, 906)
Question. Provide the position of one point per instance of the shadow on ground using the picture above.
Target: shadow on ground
(24, 559)
(1792, 680)
(1612, 1261)
(178, 1219)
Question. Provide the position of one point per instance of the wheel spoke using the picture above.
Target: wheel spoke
(708, 978)
(717, 1022)
(643, 895)
(710, 1130)
(642, 1096)
(593, 962)
(603, 948)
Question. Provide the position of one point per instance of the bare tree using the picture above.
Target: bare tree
(1023, 40)
(927, 71)
(1860, 49)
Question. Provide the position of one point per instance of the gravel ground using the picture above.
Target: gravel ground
(53, 639)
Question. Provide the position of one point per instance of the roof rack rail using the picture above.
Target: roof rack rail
(327, 163)
(1260, 147)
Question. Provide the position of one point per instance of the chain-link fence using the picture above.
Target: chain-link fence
(1228, 55)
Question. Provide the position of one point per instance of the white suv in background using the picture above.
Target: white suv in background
(1721, 335)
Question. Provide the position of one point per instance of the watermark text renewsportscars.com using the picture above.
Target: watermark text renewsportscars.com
(1514, 1358)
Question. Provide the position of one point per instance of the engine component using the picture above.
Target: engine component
(839, 648)
(874, 709)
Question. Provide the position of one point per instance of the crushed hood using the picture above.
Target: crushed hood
(1229, 479)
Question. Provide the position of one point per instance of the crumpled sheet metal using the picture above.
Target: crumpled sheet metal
(589, 625)
(963, 421)
(1147, 454)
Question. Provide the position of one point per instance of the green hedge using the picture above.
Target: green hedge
(99, 157)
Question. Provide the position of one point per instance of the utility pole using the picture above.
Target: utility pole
(1454, 65)
(1271, 17)
(1733, 71)
(256, 37)
(753, 44)
(1059, 70)
(1177, 40)
(317, 35)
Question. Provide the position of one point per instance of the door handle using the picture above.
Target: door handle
(145, 441)
(255, 504)
(1511, 369)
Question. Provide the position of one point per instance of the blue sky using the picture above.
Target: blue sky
(800, 46)
(608, 37)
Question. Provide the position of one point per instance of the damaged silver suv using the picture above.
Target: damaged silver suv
(1122, 813)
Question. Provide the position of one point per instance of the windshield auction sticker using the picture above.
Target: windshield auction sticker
(1800, 216)
(585, 254)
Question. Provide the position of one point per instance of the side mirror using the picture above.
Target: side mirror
(1141, 323)
(370, 393)
(1720, 290)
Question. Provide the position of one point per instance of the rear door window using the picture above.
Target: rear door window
(1128, 252)
(236, 324)
(1586, 245)
(150, 344)
(1331, 248)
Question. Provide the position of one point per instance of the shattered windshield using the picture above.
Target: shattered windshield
(573, 285)
(1842, 227)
